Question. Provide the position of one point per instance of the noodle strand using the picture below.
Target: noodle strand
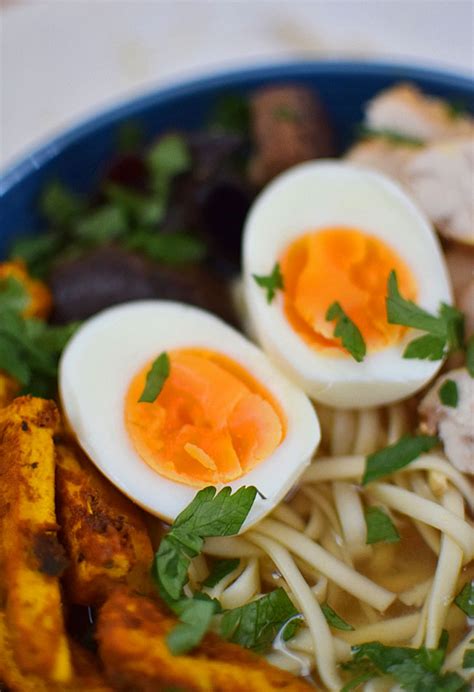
(446, 576)
(324, 651)
(347, 578)
(428, 512)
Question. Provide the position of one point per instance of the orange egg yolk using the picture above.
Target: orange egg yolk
(348, 266)
(211, 423)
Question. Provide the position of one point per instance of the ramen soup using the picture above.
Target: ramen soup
(237, 409)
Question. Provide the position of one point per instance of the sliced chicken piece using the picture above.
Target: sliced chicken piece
(440, 178)
(405, 110)
(453, 424)
(382, 155)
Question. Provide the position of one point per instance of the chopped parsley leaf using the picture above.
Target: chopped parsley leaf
(334, 619)
(445, 332)
(256, 624)
(465, 599)
(156, 378)
(396, 456)
(448, 393)
(380, 527)
(347, 331)
(220, 570)
(271, 282)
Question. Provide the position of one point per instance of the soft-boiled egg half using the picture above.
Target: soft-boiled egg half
(224, 415)
(337, 231)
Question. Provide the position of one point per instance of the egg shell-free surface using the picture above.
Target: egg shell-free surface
(95, 372)
(323, 194)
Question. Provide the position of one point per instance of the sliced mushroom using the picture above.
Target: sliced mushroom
(453, 424)
(466, 305)
(405, 110)
(289, 125)
(460, 261)
(109, 276)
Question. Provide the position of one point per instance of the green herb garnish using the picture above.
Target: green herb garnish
(416, 670)
(470, 356)
(100, 226)
(37, 251)
(448, 393)
(444, 332)
(13, 295)
(396, 456)
(12, 360)
(129, 136)
(457, 108)
(291, 628)
(271, 282)
(169, 248)
(220, 570)
(285, 113)
(138, 208)
(29, 347)
(380, 527)
(169, 157)
(126, 216)
(156, 378)
(392, 136)
(468, 659)
(209, 514)
(334, 619)
(347, 331)
(256, 624)
(195, 615)
(231, 114)
(465, 599)
(59, 205)
(426, 347)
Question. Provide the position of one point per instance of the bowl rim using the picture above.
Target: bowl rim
(38, 155)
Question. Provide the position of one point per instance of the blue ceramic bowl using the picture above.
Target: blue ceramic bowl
(77, 156)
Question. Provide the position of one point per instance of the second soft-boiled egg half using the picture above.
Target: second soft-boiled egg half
(320, 242)
(166, 398)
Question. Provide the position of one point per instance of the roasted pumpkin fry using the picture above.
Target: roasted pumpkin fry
(103, 532)
(131, 633)
(87, 676)
(40, 301)
(31, 556)
(10, 674)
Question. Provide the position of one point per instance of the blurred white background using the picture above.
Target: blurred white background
(62, 59)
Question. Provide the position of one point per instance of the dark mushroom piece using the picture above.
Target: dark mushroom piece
(109, 276)
(289, 125)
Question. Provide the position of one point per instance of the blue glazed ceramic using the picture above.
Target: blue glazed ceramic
(78, 155)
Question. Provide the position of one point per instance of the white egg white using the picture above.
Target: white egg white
(107, 351)
(318, 195)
